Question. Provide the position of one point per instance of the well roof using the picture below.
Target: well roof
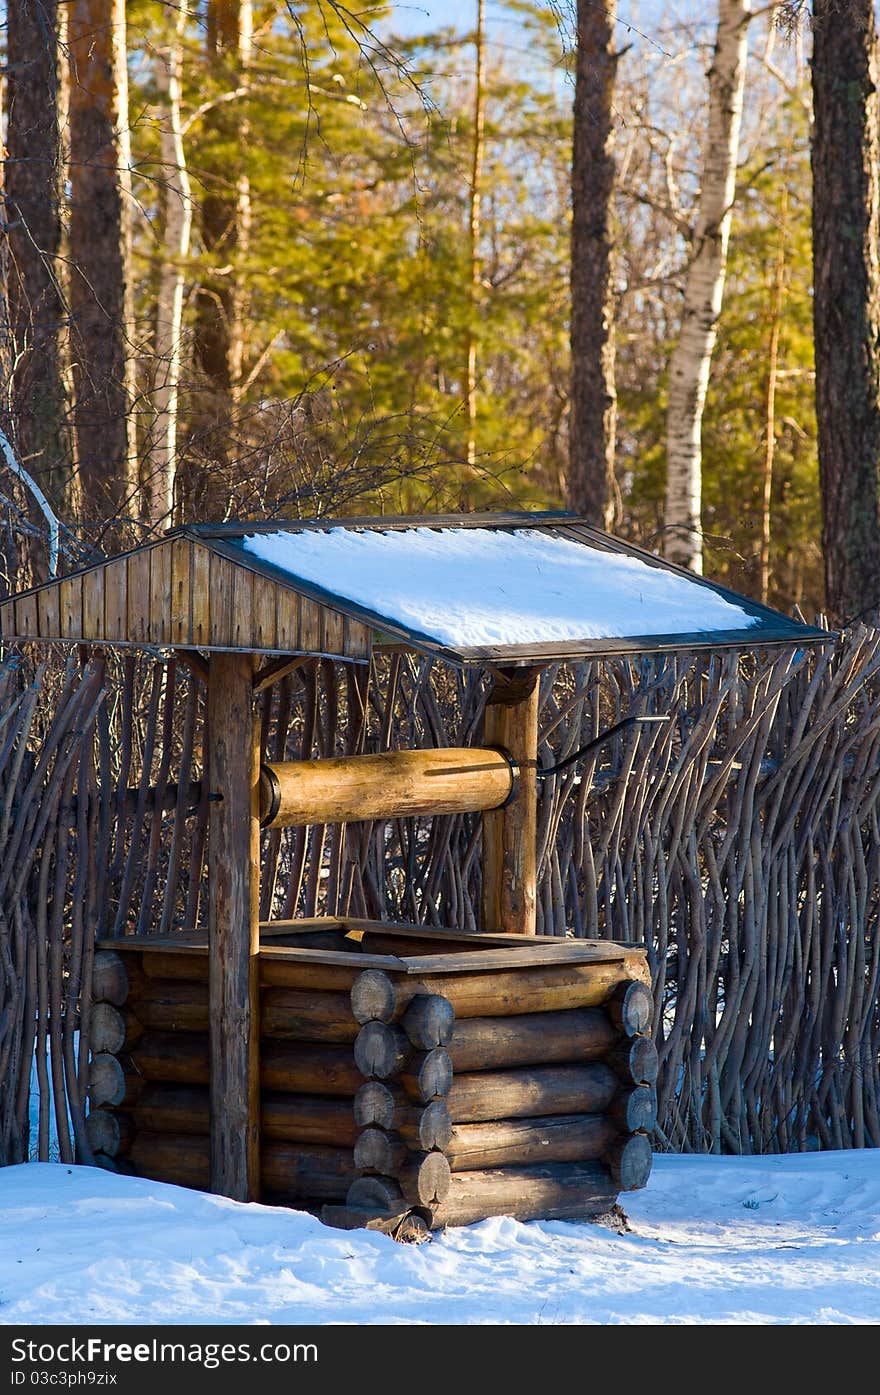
(472, 588)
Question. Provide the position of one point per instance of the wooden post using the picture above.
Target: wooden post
(234, 936)
(510, 833)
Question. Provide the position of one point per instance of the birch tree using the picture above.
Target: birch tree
(225, 204)
(100, 291)
(593, 405)
(474, 207)
(704, 288)
(159, 472)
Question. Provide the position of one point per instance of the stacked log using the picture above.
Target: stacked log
(405, 1125)
(429, 1088)
(525, 1092)
(150, 1073)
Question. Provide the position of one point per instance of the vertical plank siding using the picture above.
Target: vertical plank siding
(178, 592)
(138, 595)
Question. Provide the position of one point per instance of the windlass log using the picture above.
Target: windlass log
(390, 785)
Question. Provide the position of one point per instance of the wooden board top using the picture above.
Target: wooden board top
(524, 952)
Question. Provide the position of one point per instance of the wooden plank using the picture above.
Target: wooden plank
(533, 954)
(234, 940)
(242, 607)
(263, 634)
(71, 606)
(322, 597)
(26, 616)
(341, 958)
(306, 926)
(484, 961)
(159, 626)
(138, 944)
(201, 597)
(463, 939)
(222, 579)
(333, 641)
(510, 870)
(48, 613)
(287, 619)
(93, 604)
(180, 622)
(138, 596)
(357, 642)
(116, 600)
(310, 627)
(7, 619)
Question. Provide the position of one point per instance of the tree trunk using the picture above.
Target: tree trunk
(474, 236)
(776, 299)
(99, 238)
(846, 302)
(33, 192)
(593, 408)
(225, 210)
(704, 289)
(158, 478)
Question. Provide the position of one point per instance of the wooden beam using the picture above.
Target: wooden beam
(233, 882)
(510, 833)
(279, 668)
(194, 661)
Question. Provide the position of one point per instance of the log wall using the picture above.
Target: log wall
(391, 1087)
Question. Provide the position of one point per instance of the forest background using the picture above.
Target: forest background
(308, 259)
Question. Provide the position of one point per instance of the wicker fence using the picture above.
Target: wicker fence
(740, 841)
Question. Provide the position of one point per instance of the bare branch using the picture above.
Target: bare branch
(39, 499)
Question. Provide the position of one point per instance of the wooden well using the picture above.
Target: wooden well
(377, 1070)
(404, 1074)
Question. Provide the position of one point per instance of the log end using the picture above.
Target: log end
(631, 1009)
(629, 1161)
(373, 997)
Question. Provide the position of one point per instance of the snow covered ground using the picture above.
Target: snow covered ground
(791, 1239)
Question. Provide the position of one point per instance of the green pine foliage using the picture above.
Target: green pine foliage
(355, 284)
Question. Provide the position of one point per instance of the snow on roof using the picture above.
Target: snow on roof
(479, 587)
